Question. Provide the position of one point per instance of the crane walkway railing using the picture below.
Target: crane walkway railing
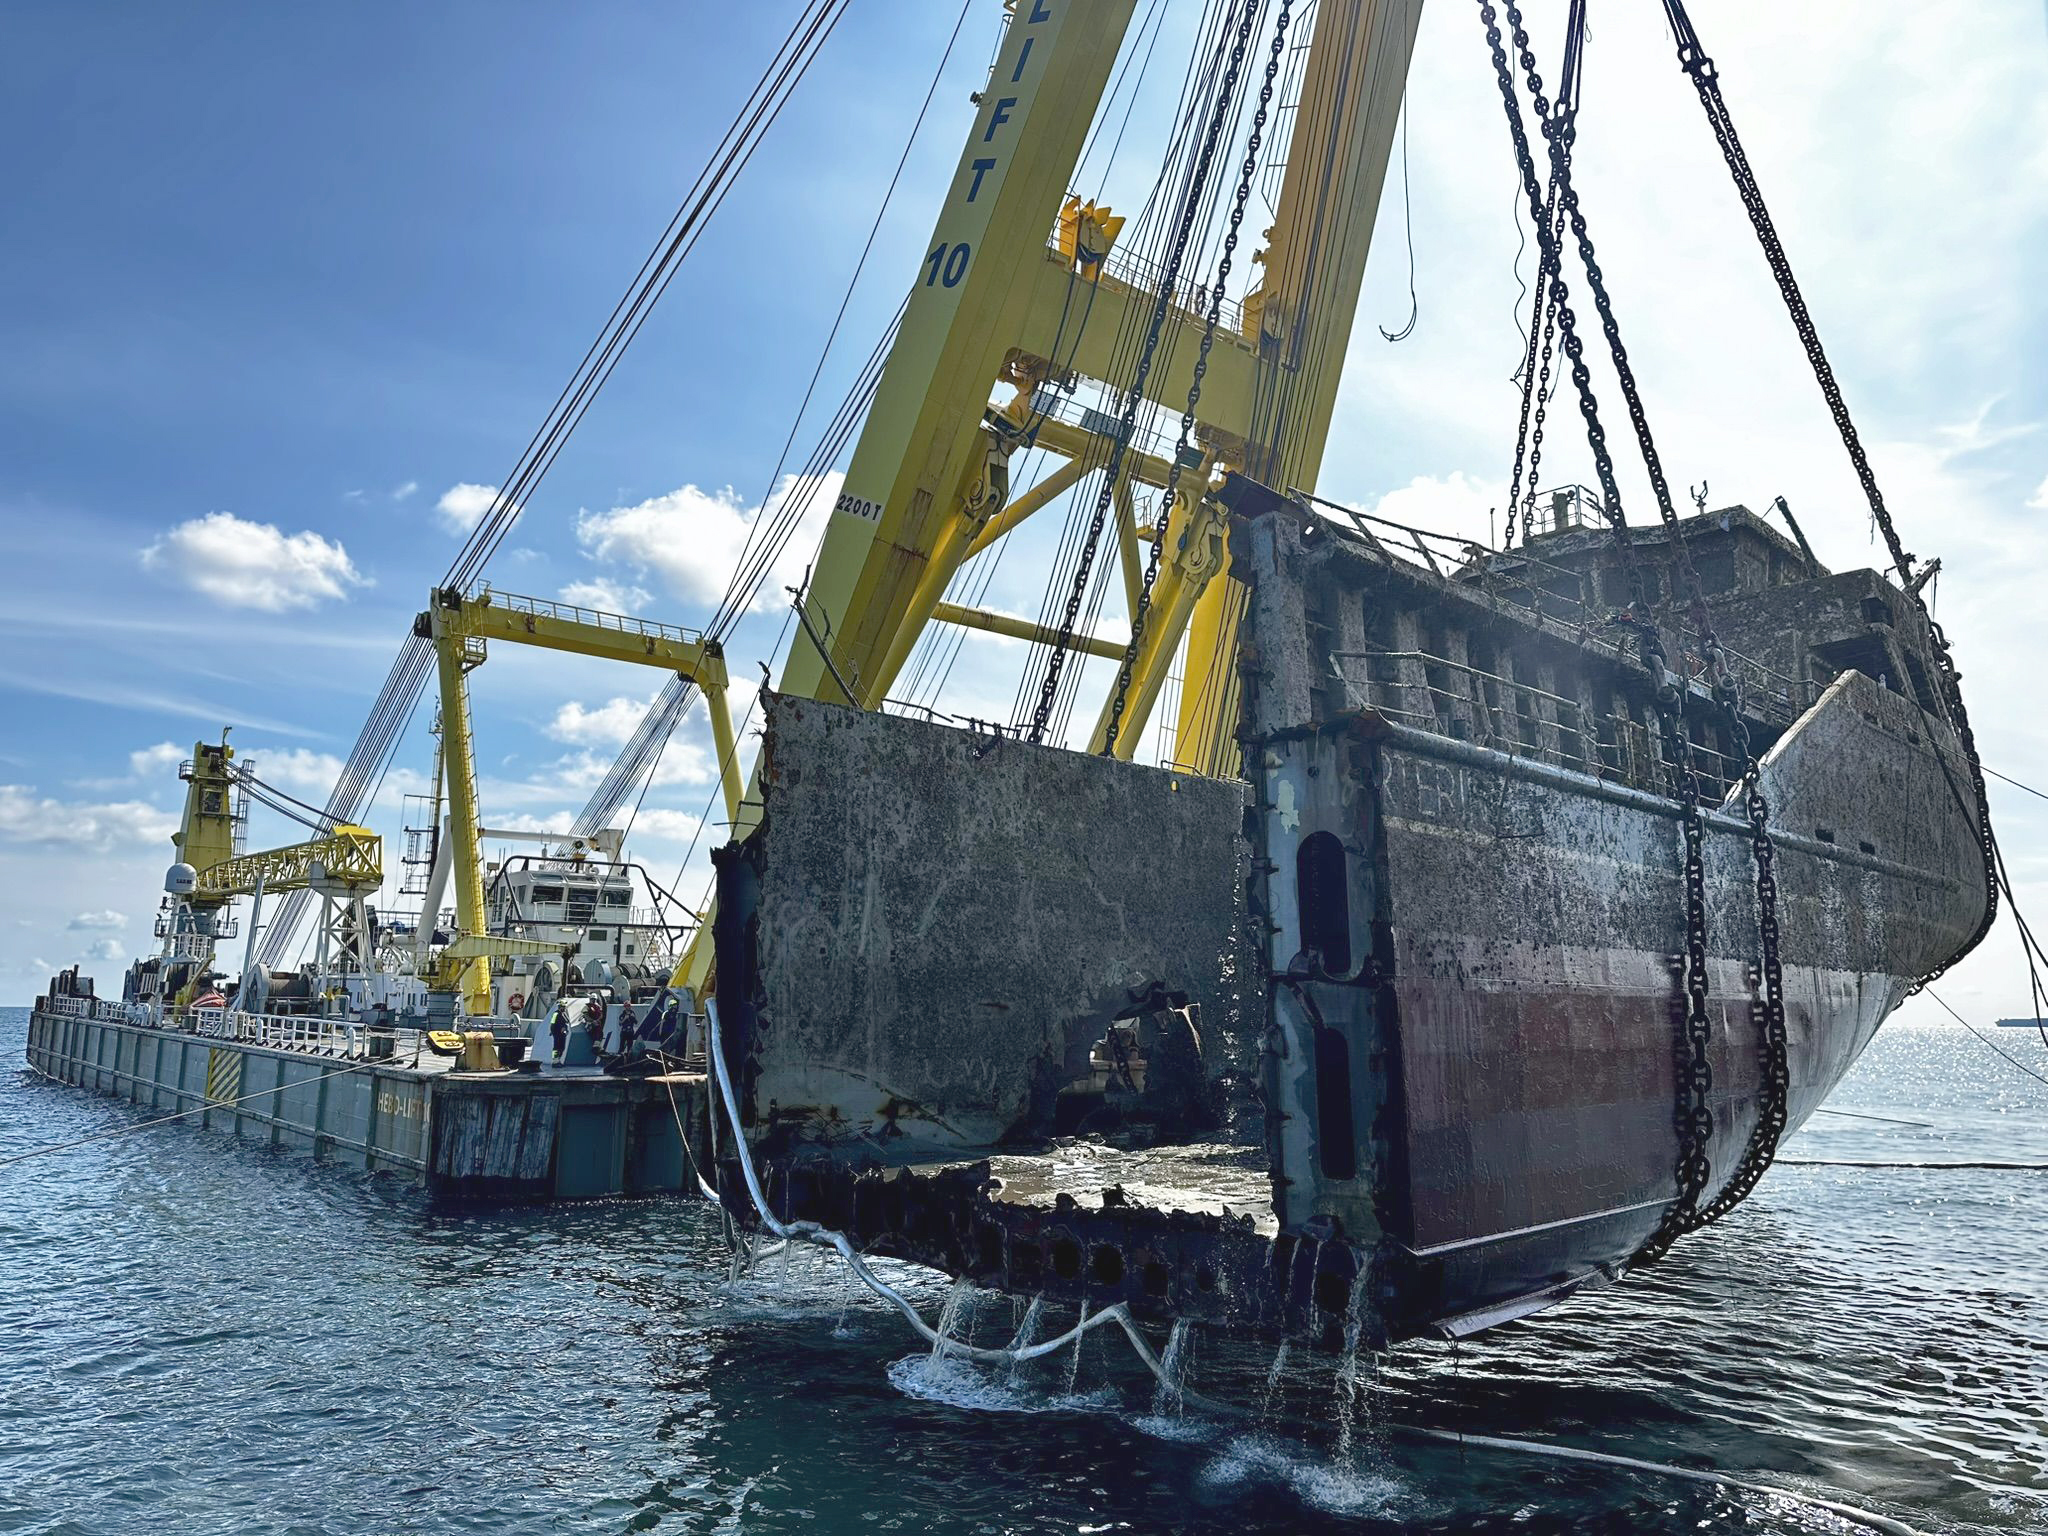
(597, 618)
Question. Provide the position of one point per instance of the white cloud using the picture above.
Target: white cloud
(105, 949)
(405, 491)
(123, 823)
(298, 769)
(1456, 503)
(463, 506)
(611, 723)
(149, 762)
(93, 922)
(253, 565)
(608, 595)
(692, 539)
(2039, 500)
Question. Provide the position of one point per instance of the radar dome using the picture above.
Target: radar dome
(181, 880)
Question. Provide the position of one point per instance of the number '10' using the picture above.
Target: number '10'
(948, 264)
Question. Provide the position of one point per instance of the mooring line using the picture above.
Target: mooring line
(1865, 1517)
(183, 1114)
(1838, 1162)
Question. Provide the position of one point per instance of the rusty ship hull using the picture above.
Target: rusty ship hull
(1405, 1003)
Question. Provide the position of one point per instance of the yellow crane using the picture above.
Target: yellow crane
(462, 628)
(991, 308)
(344, 864)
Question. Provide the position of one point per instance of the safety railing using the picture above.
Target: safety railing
(1566, 595)
(309, 1033)
(625, 624)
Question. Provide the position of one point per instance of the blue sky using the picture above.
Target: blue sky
(279, 281)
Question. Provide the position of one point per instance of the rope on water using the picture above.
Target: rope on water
(1837, 1162)
(1863, 1517)
(1017, 1351)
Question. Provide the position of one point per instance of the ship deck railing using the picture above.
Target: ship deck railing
(1522, 719)
(309, 1033)
(1525, 581)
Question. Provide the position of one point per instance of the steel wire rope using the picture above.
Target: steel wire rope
(670, 707)
(1246, 175)
(1134, 397)
(1143, 247)
(1254, 151)
(398, 700)
(708, 201)
(791, 508)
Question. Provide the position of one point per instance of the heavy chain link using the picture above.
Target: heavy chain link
(1692, 57)
(1135, 396)
(1692, 1115)
(1247, 172)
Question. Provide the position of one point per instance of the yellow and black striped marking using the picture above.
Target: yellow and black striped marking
(223, 1076)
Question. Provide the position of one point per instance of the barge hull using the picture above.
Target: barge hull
(493, 1136)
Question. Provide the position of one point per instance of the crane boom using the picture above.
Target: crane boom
(348, 858)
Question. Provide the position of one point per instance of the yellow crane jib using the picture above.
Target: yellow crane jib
(463, 626)
(348, 859)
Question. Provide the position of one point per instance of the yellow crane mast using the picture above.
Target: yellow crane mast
(992, 306)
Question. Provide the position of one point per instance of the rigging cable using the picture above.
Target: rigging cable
(1135, 395)
(1408, 225)
(1693, 59)
(398, 698)
(671, 706)
(1692, 1112)
(1246, 176)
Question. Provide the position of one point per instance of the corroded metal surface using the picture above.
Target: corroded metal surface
(944, 923)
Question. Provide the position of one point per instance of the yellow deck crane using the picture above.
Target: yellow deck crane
(462, 628)
(343, 865)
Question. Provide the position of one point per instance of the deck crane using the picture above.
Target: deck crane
(462, 627)
(343, 866)
(991, 311)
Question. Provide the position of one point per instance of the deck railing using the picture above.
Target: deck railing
(294, 1032)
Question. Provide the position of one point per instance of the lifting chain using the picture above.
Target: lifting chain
(1692, 57)
(1693, 1070)
(1246, 173)
(1134, 397)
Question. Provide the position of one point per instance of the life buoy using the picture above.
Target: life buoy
(516, 1003)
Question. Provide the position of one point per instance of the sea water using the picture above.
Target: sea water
(200, 1335)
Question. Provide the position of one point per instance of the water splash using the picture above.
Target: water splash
(957, 1301)
(1074, 1361)
(1027, 1332)
(1170, 1396)
(1347, 1386)
(1275, 1374)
